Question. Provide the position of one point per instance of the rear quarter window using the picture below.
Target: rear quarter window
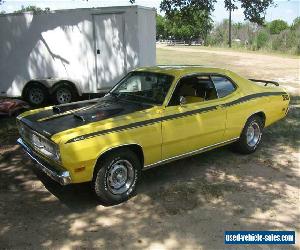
(223, 86)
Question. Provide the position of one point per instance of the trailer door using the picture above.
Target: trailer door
(109, 46)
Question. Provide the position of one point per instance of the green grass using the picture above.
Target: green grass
(165, 56)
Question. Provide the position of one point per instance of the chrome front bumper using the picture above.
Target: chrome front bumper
(54, 172)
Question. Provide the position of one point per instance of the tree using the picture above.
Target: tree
(34, 9)
(254, 10)
(161, 29)
(197, 25)
(276, 26)
(296, 23)
(179, 26)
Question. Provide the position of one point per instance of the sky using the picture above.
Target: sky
(285, 10)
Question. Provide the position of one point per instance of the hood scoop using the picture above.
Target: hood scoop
(56, 109)
(80, 117)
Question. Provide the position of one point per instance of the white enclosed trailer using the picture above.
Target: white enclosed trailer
(68, 53)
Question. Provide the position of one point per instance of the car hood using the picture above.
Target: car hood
(68, 116)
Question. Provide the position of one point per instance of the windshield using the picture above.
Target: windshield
(145, 87)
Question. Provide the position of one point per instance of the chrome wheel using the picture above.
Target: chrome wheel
(63, 95)
(120, 177)
(36, 95)
(253, 134)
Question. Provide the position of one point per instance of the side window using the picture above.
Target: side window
(197, 88)
(223, 86)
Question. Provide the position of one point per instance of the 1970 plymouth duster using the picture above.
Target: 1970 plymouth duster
(154, 115)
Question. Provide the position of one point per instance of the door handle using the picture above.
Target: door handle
(98, 51)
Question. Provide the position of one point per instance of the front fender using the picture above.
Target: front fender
(80, 158)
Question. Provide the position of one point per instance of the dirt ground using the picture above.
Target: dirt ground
(187, 204)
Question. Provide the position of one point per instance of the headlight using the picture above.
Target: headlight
(39, 143)
(45, 146)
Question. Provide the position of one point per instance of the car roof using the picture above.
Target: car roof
(179, 70)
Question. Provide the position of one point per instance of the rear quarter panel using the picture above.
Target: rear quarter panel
(252, 98)
(276, 107)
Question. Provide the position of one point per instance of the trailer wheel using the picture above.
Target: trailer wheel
(35, 94)
(64, 94)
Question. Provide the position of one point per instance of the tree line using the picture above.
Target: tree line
(276, 35)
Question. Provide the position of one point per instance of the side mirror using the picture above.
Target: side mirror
(182, 100)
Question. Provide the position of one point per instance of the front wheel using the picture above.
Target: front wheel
(251, 136)
(116, 177)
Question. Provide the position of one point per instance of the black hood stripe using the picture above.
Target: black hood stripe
(64, 113)
(171, 117)
(64, 117)
(65, 107)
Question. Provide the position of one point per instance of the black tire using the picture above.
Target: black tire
(64, 94)
(244, 145)
(35, 94)
(103, 175)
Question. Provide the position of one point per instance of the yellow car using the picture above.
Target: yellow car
(154, 115)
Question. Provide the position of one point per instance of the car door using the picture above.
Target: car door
(195, 124)
(229, 95)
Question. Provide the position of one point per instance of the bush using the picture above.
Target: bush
(261, 39)
(275, 36)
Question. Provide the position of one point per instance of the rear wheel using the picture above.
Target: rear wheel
(64, 94)
(251, 136)
(116, 177)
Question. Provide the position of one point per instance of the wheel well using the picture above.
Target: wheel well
(64, 83)
(261, 115)
(137, 149)
(30, 83)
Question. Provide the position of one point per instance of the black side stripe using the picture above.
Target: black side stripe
(253, 96)
(171, 117)
(116, 129)
(141, 124)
